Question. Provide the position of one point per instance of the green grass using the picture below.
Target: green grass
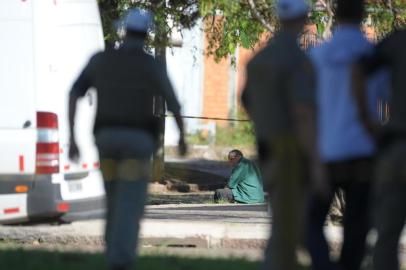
(239, 134)
(13, 257)
(16, 258)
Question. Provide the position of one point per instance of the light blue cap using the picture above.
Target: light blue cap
(291, 9)
(137, 19)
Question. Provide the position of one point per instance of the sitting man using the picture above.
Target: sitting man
(244, 185)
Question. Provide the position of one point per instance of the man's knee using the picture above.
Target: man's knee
(224, 194)
(217, 195)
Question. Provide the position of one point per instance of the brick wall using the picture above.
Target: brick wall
(244, 56)
(217, 79)
(216, 87)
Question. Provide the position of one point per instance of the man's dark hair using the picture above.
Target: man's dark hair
(136, 34)
(350, 10)
(235, 152)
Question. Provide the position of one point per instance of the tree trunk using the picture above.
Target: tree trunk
(158, 162)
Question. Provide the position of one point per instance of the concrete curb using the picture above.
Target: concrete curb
(168, 233)
(204, 234)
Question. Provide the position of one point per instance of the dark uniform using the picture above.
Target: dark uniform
(389, 212)
(279, 78)
(125, 130)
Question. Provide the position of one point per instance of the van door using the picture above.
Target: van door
(17, 90)
(78, 35)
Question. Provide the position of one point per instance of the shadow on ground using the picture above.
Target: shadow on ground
(198, 174)
(188, 198)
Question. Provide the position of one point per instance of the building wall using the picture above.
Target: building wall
(185, 69)
(216, 85)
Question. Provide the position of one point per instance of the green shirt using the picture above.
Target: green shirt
(245, 182)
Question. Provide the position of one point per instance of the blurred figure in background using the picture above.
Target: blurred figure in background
(279, 97)
(389, 193)
(346, 147)
(125, 130)
(245, 183)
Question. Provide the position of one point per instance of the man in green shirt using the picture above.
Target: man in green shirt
(244, 185)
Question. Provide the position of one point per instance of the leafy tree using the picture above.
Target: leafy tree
(383, 15)
(387, 15)
(169, 16)
(233, 23)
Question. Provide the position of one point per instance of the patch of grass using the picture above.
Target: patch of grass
(237, 134)
(223, 201)
(17, 258)
(199, 138)
(13, 257)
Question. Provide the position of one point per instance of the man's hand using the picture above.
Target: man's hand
(182, 146)
(74, 153)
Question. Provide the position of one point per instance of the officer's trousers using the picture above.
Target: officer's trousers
(285, 177)
(389, 204)
(125, 155)
(354, 178)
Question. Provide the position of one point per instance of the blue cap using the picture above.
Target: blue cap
(137, 19)
(291, 9)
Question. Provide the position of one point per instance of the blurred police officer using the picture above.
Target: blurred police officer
(346, 148)
(279, 97)
(389, 191)
(125, 129)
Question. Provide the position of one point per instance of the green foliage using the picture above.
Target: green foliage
(229, 24)
(238, 134)
(387, 15)
(198, 138)
(318, 17)
(111, 10)
(169, 16)
(241, 134)
(232, 23)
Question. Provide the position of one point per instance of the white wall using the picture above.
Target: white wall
(185, 69)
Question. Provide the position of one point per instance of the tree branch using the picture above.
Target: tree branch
(258, 16)
(329, 8)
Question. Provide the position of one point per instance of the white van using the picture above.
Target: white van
(44, 45)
